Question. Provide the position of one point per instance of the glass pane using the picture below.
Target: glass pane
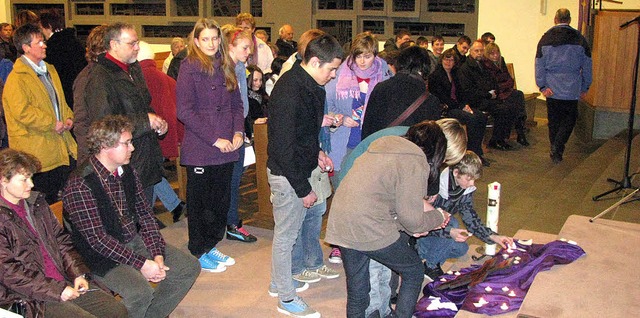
(373, 5)
(341, 29)
(225, 8)
(166, 31)
(404, 5)
(89, 9)
(256, 8)
(148, 9)
(335, 4)
(451, 6)
(430, 29)
(375, 27)
(187, 8)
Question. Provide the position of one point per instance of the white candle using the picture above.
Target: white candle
(512, 293)
(505, 289)
(488, 288)
(504, 306)
(493, 211)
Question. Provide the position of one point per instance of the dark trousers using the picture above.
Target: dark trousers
(476, 126)
(562, 115)
(96, 303)
(51, 182)
(236, 178)
(208, 191)
(400, 258)
(503, 119)
(516, 103)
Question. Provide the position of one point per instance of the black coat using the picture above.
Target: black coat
(66, 54)
(285, 48)
(391, 97)
(111, 91)
(440, 86)
(475, 84)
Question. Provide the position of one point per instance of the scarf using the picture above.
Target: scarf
(45, 78)
(347, 81)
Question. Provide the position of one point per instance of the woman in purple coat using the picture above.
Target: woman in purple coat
(209, 105)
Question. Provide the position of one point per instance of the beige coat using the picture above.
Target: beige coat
(31, 119)
(381, 195)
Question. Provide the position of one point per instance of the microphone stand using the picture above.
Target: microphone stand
(625, 183)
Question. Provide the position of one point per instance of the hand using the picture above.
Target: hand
(459, 235)
(68, 124)
(349, 122)
(224, 145)
(238, 141)
(159, 259)
(59, 128)
(324, 162)
(158, 124)
(260, 121)
(329, 120)
(69, 294)
(81, 285)
(547, 92)
(151, 271)
(447, 218)
(309, 200)
(503, 241)
(427, 204)
(583, 95)
(468, 109)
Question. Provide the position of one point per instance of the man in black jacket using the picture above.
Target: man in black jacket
(295, 116)
(478, 88)
(286, 45)
(116, 86)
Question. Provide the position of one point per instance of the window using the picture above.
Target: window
(467, 6)
(340, 29)
(135, 9)
(430, 29)
(373, 5)
(373, 26)
(256, 8)
(89, 9)
(166, 31)
(225, 8)
(335, 4)
(187, 8)
(404, 5)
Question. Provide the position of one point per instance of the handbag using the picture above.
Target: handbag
(412, 108)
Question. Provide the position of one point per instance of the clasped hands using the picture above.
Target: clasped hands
(81, 286)
(154, 270)
(228, 146)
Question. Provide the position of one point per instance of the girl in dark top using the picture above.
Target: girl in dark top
(443, 83)
(258, 98)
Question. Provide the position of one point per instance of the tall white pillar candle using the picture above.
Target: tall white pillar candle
(493, 212)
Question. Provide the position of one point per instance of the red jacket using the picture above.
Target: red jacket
(163, 101)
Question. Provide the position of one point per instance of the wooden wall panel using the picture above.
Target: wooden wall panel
(613, 55)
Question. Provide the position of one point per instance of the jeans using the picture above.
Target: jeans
(138, 296)
(562, 116)
(289, 215)
(96, 303)
(399, 257)
(436, 250)
(307, 252)
(380, 293)
(165, 193)
(236, 178)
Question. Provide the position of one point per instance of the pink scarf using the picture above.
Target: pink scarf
(347, 85)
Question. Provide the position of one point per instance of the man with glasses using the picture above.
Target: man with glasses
(37, 115)
(116, 86)
(113, 229)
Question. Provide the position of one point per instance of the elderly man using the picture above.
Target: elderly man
(37, 115)
(286, 44)
(113, 228)
(116, 85)
(478, 89)
(261, 53)
(563, 73)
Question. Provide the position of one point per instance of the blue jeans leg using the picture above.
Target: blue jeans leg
(436, 250)
(165, 193)
(236, 178)
(307, 253)
(380, 294)
(288, 216)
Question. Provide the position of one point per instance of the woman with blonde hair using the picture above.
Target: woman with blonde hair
(209, 105)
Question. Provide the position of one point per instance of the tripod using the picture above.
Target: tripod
(625, 183)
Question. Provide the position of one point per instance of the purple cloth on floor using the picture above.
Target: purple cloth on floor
(517, 277)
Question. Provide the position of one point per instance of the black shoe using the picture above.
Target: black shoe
(433, 273)
(556, 158)
(236, 233)
(177, 212)
(485, 162)
(522, 139)
(499, 145)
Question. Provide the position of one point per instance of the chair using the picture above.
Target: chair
(56, 208)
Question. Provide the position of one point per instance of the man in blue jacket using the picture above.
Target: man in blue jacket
(563, 74)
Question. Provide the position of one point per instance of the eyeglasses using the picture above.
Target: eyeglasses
(40, 43)
(132, 44)
(126, 143)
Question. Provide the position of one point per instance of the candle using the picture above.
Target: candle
(516, 262)
(482, 301)
(512, 293)
(450, 272)
(493, 211)
(504, 306)
(505, 289)
(443, 279)
(505, 255)
(488, 288)
(457, 273)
